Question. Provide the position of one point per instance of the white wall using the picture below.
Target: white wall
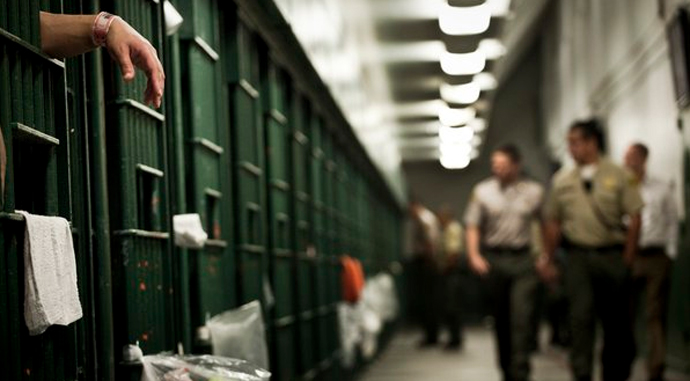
(610, 59)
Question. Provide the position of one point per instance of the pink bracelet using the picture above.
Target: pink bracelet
(101, 26)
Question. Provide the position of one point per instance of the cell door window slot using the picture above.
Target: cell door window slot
(149, 197)
(33, 154)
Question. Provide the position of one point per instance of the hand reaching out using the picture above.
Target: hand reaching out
(65, 36)
(130, 50)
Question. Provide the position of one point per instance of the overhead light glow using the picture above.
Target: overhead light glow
(499, 8)
(413, 109)
(463, 63)
(465, 21)
(476, 141)
(485, 81)
(407, 9)
(455, 150)
(424, 51)
(492, 48)
(455, 134)
(456, 117)
(465, 94)
(474, 154)
(477, 124)
(455, 162)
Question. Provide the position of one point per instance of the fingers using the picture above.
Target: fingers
(122, 56)
(132, 50)
(146, 59)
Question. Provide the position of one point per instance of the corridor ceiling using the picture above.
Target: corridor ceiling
(443, 60)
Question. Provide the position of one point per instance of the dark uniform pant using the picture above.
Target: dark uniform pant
(598, 285)
(513, 284)
(651, 273)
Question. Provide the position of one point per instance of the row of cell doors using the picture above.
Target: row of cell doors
(278, 188)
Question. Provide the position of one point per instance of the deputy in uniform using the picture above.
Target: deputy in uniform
(584, 215)
(498, 220)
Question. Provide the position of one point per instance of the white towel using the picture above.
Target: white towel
(50, 274)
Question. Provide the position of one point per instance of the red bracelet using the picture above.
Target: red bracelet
(101, 26)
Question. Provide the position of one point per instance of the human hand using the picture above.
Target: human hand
(130, 49)
(479, 265)
(629, 256)
(546, 269)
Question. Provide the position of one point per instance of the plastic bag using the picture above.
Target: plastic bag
(240, 333)
(200, 368)
(380, 296)
(349, 319)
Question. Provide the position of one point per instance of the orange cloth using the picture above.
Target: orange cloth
(352, 278)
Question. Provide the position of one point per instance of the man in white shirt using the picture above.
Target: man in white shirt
(658, 246)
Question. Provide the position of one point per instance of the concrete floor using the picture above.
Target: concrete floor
(404, 361)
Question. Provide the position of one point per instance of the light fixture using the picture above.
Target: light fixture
(465, 94)
(476, 141)
(463, 63)
(499, 8)
(456, 149)
(413, 109)
(464, 21)
(492, 48)
(485, 81)
(456, 117)
(455, 162)
(477, 124)
(455, 134)
(424, 51)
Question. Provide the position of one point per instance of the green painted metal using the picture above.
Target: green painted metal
(33, 118)
(283, 320)
(242, 72)
(205, 139)
(143, 289)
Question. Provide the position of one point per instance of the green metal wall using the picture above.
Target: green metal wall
(242, 139)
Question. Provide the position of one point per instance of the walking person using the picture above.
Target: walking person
(651, 269)
(426, 287)
(584, 214)
(453, 248)
(498, 228)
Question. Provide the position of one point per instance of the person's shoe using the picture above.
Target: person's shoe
(453, 346)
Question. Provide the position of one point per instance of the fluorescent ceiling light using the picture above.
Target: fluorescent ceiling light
(456, 117)
(499, 8)
(466, 94)
(485, 81)
(425, 51)
(492, 48)
(407, 9)
(413, 109)
(476, 141)
(463, 63)
(477, 124)
(454, 150)
(455, 163)
(464, 21)
(474, 154)
(455, 134)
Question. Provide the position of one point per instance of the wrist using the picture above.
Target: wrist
(101, 28)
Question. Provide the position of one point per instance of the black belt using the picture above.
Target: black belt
(652, 250)
(569, 245)
(507, 249)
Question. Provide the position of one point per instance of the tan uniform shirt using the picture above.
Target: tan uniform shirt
(503, 214)
(453, 243)
(613, 192)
